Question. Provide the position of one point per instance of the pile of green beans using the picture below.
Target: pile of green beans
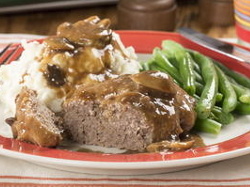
(220, 93)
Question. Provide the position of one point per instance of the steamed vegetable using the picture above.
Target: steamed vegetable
(208, 126)
(208, 95)
(185, 64)
(164, 63)
(239, 78)
(243, 109)
(226, 88)
(219, 92)
(242, 92)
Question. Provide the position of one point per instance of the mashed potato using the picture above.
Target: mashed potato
(26, 72)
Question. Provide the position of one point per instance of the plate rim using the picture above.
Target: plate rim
(128, 165)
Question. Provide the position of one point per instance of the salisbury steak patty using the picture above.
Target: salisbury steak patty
(130, 112)
(34, 122)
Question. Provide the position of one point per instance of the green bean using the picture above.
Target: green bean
(230, 99)
(219, 97)
(174, 62)
(163, 62)
(144, 66)
(197, 69)
(196, 66)
(213, 117)
(243, 95)
(200, 88)
(171, 58)
(184, 63)
(187, 74)
(208, 126)
(198, 77)
(242, 92)
(242, 109)
(172, 47)
(218, 115)
(221, 116)
(238, 77)
(208, 96)
(154, 66)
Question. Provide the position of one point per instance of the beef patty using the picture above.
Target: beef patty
(129, 112)
(34, 122)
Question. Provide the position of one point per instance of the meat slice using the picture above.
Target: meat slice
(128, 112)
(34, 122)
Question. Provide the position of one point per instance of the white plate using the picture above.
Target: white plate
(233, 141)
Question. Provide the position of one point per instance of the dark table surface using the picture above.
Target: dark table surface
(45, 22)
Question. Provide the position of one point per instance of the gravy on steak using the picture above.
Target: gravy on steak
(130, 112)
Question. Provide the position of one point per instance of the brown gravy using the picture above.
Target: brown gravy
(70, 145)
(77, 50)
